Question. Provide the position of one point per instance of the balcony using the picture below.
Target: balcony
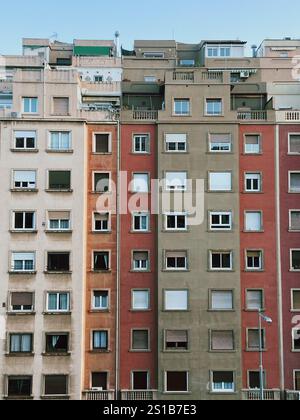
(197, 77)
(139, 395)
(101, 89)
(98, 395)
(47, 76)
(6, 86)
(288, 116)
(292, 395)
(254, 395)
(252, 115)
(140, 115)
(96, 62)
(21, 61)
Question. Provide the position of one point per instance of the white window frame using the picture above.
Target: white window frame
(13, 259)
(217, 190)
(57, 310)
(220, 143)
(248, 178)
(176, 215)
(291, 260)
(227, 291)
(295, 330)
(59, 229)
(220, 214)
(102, 308)
(221, 253)
(140, 268)
(21, 188)
(289, 144)
(293, 309)
(155, 55)
(109, 183)
(223, 389)
(108, 222)
(146, 291)
(176, 139)
(260, 268)
(140, 215)
(60, 133)
(141, 136)
(109, 143)
(175, 186)
(133, 182)
(181, 113)
(27, 132)
(22, 310)
(23, 229)
(177, 392)
(290, 220)
(214, 114)
(182, 291)
(261, 291)
(31, 99)
(291, 191)
(176, 268)
(261, 227)
(259, 144)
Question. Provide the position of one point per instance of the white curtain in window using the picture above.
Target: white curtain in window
(15, 343)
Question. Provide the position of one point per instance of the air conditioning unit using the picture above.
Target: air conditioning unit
(245, 74)
(15, 115)
(97, 389)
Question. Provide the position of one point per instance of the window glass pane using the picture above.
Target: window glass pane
(295, 182)
(295, 143)
(59, 180)
(296, 260)
(253, 221)
(56, 385)
(177, 381)
(295, 220)
(252, 144)
(140, 340)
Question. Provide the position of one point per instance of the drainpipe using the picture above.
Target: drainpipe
(279, 266)
(118, 300)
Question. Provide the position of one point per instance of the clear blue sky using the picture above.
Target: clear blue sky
(187, 20)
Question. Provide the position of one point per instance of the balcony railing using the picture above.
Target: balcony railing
(292, 395)
(104, 89)
(254, 395)
(184, 76)
(138, 395)
(288, 116)
(252, 115)
(141, 115)
(98, 395)
(213, 75)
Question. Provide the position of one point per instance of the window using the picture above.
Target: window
(176, 222)
(30, 105)
(294, 182)
(182, 107)
(220, 143)
(212, 51)
(150, 79)
(254, 380)
(140, 381)
(21, 302)
(99, 381)
(176, 181)
(23, 220)
(101, 222)
(223, 382)
(59, 220)
(24, 180)
(60, 141)
(176, 300)
(296, 300)
(25, 140)
(252, 182)
(225, 52)
(222, 341)
(58, 262)
(176, 260)
(214, 107)
(154, 54)
(253, 221)
(177, 382)
(254, 260)
(61, 106)
(294, 144)
(252, 144)
(141, 143)
(23, 262)
(100, 301)
(176, 340)
(100, 340)
(295, 220)
(102, 143)
(58, 302)
(220, 260)
(141, 261)
(176, 143)
(220, 181)
(19, 386)
(98, 79)
(101, 182)
(187, 63)
(140, 183)
(140, 340)
(60, 180)
(140, 300)
(296, 339)
(297, 380)
(222, 300)
(220, 221)
(253, 339)
(57, 343)
(254, 300)
(20, 343)
(101, 261)
(295, 260)
(56, 385)
(141, 222)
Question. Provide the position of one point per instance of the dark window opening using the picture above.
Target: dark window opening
(102, 143)
(19, 386)
(58, 262)
(140, 381)
(59, 180)
(99, 381)
(56, 385)
(57, 343)
(177, 382)
(101, 261)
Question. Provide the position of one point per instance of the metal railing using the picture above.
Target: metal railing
(254, 395)
(292, 395)
(138, 395)
(98, 395)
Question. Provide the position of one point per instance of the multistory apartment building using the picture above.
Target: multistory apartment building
(147, 299)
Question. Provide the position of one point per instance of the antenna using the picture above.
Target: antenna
(54, 36)
(117, 41)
